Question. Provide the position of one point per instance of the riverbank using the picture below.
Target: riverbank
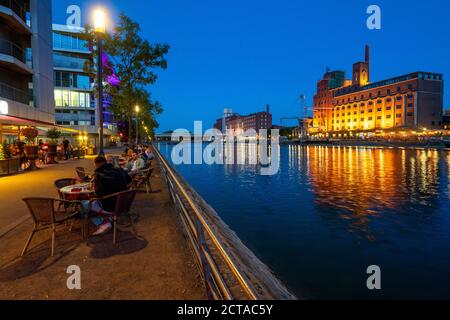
(374, 144)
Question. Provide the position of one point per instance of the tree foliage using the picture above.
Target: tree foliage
(134, 61)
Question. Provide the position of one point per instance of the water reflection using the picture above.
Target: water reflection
(361, 183)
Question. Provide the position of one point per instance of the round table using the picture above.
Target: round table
(78, 192)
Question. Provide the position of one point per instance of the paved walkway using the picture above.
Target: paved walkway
(157, 265)
(30, 184)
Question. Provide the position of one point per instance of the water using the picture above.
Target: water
(331, 212)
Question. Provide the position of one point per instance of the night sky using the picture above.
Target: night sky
(246, 54)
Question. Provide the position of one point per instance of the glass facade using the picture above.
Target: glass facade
(68, 61)
(69, 42)
(66, 79)
(72, 99)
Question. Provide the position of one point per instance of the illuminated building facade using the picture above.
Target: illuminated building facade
(358, 107)
(26, 86)
(238, 123)
(76, 106)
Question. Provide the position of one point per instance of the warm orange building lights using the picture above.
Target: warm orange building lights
(351, 107)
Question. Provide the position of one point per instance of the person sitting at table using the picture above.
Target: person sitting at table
(107, 181)
(148, 154)
(113, 161)
(135, 164)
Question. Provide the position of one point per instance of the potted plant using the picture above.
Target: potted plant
(31, 149)
(53, 134)
(8, 164)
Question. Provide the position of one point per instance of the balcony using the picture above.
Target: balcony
(15, 13)
(14, 57)
(13, 94)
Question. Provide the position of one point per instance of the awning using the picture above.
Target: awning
(17, 121)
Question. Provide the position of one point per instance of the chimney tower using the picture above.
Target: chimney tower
(368, 61)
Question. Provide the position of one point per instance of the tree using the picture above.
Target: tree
(134, 60)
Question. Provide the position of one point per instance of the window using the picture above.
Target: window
(388, 100)
(399, 98)
(398, 115)
(379, 109)
(388, 108)
(379, 117)
(398, 107)
(388, 116)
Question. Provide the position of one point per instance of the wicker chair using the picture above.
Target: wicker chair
(142, 179)
(47, 215)
(61, 183)
(84, 174)
(124, 201)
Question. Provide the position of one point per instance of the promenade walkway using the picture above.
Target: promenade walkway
(158, 265)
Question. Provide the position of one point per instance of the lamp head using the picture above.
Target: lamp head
(99, 21)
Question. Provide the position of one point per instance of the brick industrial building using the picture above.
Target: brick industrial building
(358, 107)
(239, 123)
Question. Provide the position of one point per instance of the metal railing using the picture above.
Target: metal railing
(226, 276)
(11, 49)
(14, 94)
(16, 7)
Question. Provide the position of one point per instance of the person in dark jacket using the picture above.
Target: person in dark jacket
(107, 181)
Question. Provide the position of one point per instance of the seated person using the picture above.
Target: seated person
(107, 180)
(135, 164)
(113, 161)
(148, 154)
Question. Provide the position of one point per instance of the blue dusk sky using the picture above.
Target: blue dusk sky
(244, 54)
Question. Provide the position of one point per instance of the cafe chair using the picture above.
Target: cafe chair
(142, 179)
(61, 183)
(124, 201)
(46, 214)
(83, 174)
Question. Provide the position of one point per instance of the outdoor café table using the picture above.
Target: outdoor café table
(77, 192)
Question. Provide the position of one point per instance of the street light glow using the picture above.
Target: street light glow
(137, 109)
(99, 21)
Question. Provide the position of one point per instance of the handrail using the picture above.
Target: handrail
(11, 93)
(16, 7)
(11, 49)
(198, 227)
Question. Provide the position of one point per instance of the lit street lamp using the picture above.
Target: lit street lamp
(100, 29)
(137, 109)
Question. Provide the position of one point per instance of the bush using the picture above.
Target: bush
(54, 134)
(30, 134)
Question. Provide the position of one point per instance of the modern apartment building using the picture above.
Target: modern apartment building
(357, 107)
(75, 101)
(26, 66)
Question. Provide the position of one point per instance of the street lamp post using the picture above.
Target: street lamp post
(137, 109)
(100, 29)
